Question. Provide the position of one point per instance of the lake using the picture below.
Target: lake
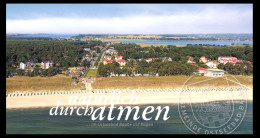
(184, 42)
(38, 121)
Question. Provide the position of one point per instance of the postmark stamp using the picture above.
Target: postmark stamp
(222, 116)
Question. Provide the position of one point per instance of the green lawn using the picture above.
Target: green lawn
(92, 73)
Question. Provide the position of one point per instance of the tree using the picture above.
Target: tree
(20, 72)
(221, 66)
(86, 63)
(203, 65)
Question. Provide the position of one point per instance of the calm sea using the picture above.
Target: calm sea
(38, 121)
(185, 42)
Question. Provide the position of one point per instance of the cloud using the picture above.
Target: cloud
(219, 19)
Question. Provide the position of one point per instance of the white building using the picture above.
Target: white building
(87, 49)
(190, 59)
(118, 58)
(22, 65)
(211, 64)
(214, 73)
(202, 70)
(225, 60)
(46, 64)
(111, 51)
(203, 59)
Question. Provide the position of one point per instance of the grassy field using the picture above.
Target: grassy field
(168, 82)
(92, 73)
(24, 83)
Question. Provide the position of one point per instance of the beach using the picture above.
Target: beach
(139, 97)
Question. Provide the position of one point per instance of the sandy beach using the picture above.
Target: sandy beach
(139, 97)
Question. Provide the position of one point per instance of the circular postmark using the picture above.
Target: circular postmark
(207, 108)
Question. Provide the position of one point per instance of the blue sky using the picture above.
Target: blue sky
(129, 18)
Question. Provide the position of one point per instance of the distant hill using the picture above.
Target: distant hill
(42, 35)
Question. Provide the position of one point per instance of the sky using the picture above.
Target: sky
(129, 18)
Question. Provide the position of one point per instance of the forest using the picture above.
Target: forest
(178, 65)
(152, 68)
(63, 53)
(135, 51)
(69, 53)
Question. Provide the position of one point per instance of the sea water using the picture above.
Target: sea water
(38, 121)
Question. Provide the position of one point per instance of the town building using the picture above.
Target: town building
(164, 58)
(121, 62)
(202, 70)
(214, 73)
(88, 57)
(190, 59)
(86, 49)
(118, 58)
(225, 60)
(26, 64)
(46, 64)
(111, 51)
(151, 59)
(29, 64)
(22, 65)
(106, 61)
(211, 64)
(76, 71)
(203, 59)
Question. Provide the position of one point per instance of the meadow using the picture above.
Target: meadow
(29, 84)
(92, 73)
(168, 82)
(62, 82)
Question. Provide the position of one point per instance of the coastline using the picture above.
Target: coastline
(144, 97)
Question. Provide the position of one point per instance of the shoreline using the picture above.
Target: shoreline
(142, 97)
(95, 106)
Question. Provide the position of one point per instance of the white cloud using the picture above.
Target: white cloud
(209, 20)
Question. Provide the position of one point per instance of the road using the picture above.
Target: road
(94, 61)
(102, 56)
(101, 59)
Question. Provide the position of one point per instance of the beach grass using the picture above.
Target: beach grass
(29, 84)
(62, 82)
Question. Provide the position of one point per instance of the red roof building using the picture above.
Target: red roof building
(203, 59)
(118, 58)
(225, 60)
(46, 64)
(151, 59)
(211, 64)
(105, 61)
(122, 62)
(202, 70)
